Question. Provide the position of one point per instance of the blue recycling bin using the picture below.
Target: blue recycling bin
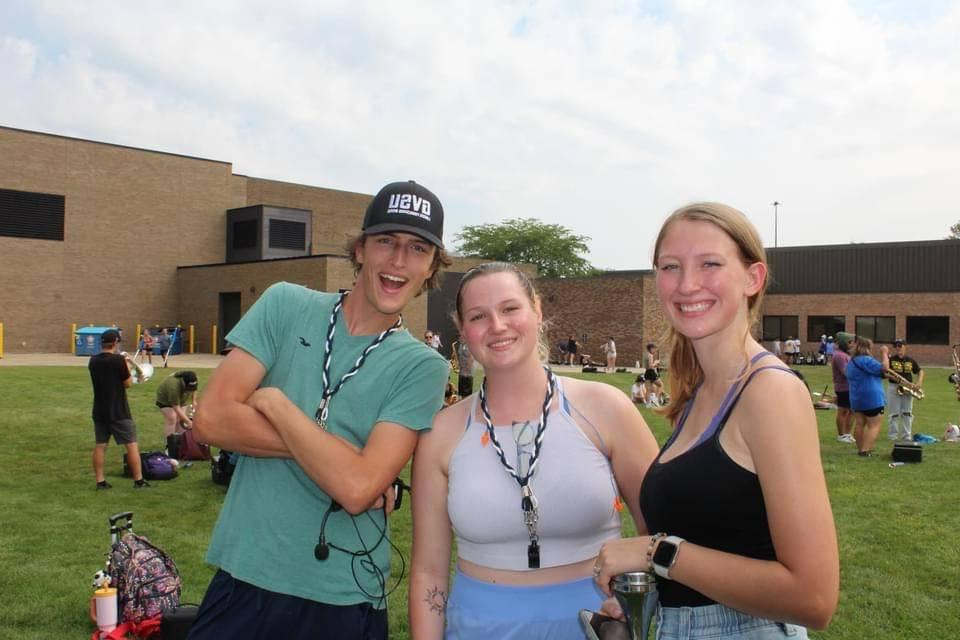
(87, 340)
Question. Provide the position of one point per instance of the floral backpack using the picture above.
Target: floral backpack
(146, 578)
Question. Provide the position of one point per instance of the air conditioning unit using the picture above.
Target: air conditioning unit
(265, 232)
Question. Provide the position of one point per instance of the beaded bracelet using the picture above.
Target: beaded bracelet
(654, 539)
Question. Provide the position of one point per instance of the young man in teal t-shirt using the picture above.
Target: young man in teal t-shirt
(324, 395)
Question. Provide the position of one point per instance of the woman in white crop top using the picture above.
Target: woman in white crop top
(524, 567)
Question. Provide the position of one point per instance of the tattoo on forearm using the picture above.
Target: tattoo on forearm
(436, 600)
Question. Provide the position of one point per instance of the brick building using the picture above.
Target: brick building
(884, 291)
(104, 234)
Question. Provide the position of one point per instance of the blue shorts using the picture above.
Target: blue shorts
(717, 621)
(479, 610)
(232, 608)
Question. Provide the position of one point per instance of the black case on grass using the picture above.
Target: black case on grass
(907, 452)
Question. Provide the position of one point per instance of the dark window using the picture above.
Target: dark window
(928, 329)
(877, 328)
(824, 326)
(245, 234)
(781, 327)
(287, 234)
(31, 215)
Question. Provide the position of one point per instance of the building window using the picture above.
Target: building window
(245, 234)
(287, 234)
(824, 326)
(928, 329)
(781, 327)
(31, 215)
(877, 328)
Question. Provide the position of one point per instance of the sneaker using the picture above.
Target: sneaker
(141, 484)
(846, 438)
(103, 484)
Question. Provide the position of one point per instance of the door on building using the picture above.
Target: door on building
(228, 316)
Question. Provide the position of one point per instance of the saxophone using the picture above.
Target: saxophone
(904, 386)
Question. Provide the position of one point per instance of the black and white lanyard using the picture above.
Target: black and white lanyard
(323, 409)
(528, 501)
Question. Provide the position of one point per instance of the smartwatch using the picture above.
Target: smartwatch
(665, 555)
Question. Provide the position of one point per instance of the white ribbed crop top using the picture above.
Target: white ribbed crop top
(573, 483)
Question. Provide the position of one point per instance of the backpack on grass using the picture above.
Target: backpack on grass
(146, 578)
(191, 448)
(156, 465)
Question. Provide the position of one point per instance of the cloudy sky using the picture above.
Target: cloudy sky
(600, 116)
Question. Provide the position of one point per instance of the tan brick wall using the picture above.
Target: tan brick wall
(109, 269)
(132, 216)
(602, 306)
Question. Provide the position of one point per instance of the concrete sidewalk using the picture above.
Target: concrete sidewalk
(187, 360)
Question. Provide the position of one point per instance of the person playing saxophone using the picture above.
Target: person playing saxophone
(899, 403)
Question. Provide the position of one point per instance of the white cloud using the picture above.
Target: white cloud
(598, 117)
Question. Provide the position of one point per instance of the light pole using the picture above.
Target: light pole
(775, 206)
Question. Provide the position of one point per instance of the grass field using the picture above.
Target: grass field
(897, 527)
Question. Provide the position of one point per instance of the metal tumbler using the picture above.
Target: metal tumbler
(636, 592)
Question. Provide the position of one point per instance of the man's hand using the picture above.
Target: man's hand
(388, 499)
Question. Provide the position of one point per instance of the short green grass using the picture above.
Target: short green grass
(897, 527)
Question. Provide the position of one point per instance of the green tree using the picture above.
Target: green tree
(555, 250)
(954, 232)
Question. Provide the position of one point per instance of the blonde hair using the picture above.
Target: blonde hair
(685, 370)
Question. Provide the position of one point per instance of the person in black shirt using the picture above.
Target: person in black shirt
(900, 407)
(743, 539)
(111, 411)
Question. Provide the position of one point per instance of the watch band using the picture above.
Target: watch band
(664, 570)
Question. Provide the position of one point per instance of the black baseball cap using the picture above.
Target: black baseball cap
(110, 336)
(407, 207)
(189, 379)
(899, 342)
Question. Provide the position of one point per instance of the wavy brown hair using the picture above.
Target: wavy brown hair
(685, 370)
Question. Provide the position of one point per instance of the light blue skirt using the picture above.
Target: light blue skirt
(480, 610)
(717, 621)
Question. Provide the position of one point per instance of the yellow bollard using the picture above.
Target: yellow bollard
(73, 338)
(191, 339)
(213, 344)
(139, 331)
(1, 339)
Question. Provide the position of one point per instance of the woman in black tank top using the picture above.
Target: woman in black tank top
(746, 543)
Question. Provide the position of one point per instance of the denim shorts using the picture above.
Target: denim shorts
(718, 621)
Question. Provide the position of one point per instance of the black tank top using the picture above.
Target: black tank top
(705, 497)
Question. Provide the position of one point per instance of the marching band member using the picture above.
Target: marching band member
(900, 405)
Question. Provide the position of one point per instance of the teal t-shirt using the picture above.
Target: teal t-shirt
(270, 521)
